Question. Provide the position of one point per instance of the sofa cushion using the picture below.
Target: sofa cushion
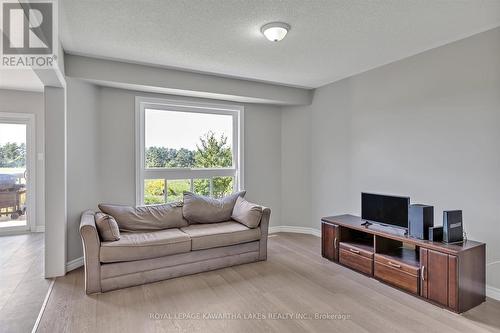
(146, 218)
(202, 209)
(206, 236)
(107, 227)
(145, 245)
(247, 213)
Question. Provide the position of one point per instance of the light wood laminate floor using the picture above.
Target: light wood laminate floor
(295, 281)
(22, 286)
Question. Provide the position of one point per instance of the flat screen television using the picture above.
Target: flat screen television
(385, 209)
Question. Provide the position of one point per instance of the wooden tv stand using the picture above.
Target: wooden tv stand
(448, 275)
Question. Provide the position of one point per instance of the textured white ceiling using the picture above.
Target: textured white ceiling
(329, 39)
(20, 79)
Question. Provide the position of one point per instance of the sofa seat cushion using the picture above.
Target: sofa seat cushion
(206, 236)
(145, 245)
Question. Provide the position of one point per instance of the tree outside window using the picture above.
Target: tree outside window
(211, 152)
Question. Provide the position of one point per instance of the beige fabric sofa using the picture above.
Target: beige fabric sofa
(144, 257)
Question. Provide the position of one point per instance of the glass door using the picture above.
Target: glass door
(14, 175)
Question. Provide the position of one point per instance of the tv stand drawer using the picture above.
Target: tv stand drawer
(395, 263)
(398, 277)
(356, 261)
(362, 250)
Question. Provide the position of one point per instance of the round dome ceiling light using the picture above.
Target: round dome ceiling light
(275, 31)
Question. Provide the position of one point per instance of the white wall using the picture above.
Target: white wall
(101, 152)
(83, 158)
(427, 126)
(14, 101)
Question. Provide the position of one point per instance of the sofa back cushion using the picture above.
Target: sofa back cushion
(144, 218)
(201, 209)
(247, 213)
(107, 227)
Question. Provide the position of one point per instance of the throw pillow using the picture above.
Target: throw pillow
(107, 227)
(247, 213)
(202, 209)
(146, 218)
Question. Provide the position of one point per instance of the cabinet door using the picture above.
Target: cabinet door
(434, 276)
(330, 242)
(453, 282)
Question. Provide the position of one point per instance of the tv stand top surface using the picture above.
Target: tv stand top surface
(356, 223)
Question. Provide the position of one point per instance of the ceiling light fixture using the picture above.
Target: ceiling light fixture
(275, 31)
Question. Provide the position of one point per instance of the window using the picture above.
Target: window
(186, 146)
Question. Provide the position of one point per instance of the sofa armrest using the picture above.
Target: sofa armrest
(264, 230)
(91, 248)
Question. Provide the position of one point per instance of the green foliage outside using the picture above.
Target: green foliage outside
(162, 157)
(211, 152)
(13, 155)
(153, 191)
(176, 188)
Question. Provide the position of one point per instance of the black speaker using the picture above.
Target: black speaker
(453, 230)
(436, 234)
(421, 218)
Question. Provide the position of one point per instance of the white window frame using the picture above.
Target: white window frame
(142, 173)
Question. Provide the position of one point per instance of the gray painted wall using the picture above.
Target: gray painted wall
(83, 157)
(14, 101)
(296, 167)
(426, 126)
(56, 184)
(101, 152)
(163, 80)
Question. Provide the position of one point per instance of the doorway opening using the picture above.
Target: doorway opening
(16, 172)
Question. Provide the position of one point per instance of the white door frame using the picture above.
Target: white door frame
(29, 120)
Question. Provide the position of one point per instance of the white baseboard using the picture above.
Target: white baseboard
(74, 264)
(493, 292)
(38, 228)
(298, 230)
